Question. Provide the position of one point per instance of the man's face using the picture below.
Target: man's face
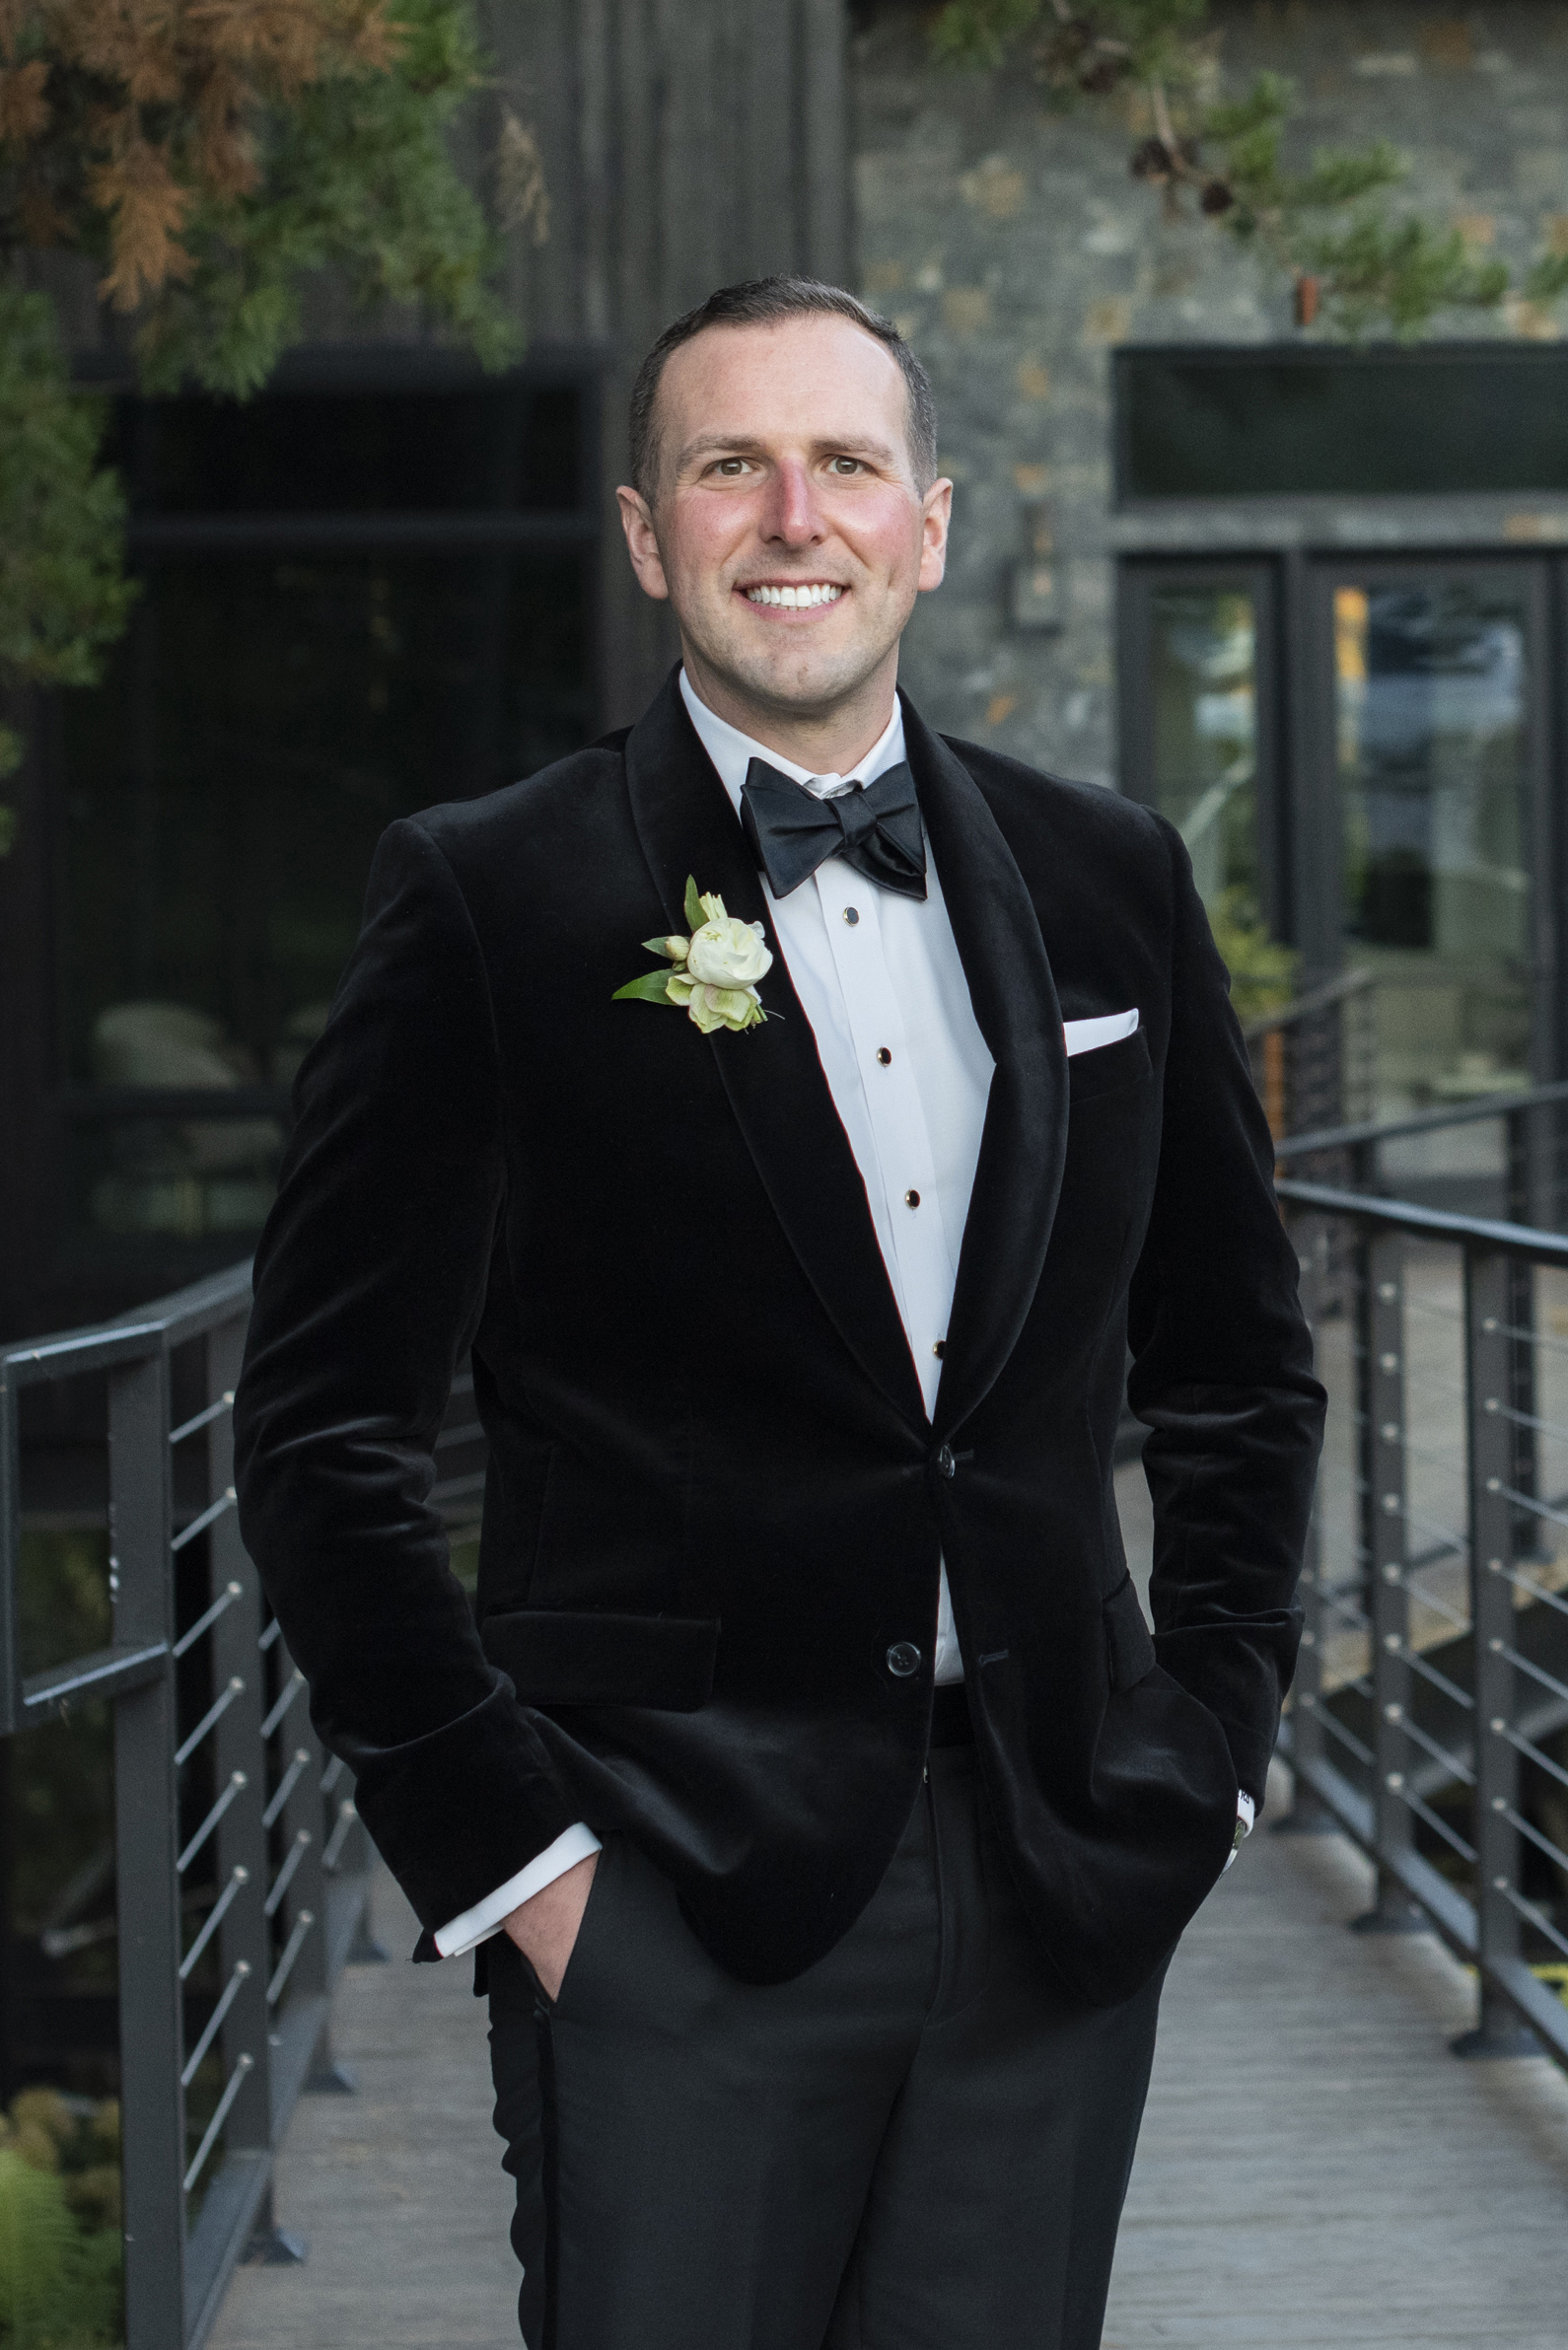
(787, 528)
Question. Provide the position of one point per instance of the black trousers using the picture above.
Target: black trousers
(920, 2144)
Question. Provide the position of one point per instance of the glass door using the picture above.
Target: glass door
(1437, 740)
(1199, 730)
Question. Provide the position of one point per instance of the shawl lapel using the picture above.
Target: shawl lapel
(772, 1076)
(1024, 1145)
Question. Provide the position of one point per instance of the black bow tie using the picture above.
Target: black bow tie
(874, 826)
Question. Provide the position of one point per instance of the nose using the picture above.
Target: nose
(792, 518)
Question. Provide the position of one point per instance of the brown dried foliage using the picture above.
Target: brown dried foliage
(119, 116)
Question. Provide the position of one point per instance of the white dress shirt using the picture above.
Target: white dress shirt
(878, 977)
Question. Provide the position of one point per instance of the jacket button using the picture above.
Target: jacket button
(946, 1462)
(904, 1658)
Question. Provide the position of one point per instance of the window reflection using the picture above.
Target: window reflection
(1205, 731)
(225, 789)
(1432, 745)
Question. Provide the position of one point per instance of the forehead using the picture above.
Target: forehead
(810, 378)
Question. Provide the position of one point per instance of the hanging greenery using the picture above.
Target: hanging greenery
(1151, 65)
(61, 2260)
(208, 157)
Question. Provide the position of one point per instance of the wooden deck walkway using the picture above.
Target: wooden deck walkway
(1316, 2173)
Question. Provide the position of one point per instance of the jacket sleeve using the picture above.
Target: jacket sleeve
(1222, 1368)
(368, 1283)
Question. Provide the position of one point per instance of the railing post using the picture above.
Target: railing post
(1309, 1815)
(1499, 2030)
(297, 1893)
(242, 1854)
(146, 1832)
(1384, 1534)
(1521, 1208)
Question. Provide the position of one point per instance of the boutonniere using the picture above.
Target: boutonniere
(716, 970)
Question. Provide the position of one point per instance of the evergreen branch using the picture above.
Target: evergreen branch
(210, 156)
(1367, 269)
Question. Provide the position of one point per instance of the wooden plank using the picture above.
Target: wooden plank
(1316, 2172)
(398, 2189)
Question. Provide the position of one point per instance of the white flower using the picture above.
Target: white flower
(736, 1008)
(729, 954)
(717, 969)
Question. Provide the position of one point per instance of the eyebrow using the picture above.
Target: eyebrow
(746, 445)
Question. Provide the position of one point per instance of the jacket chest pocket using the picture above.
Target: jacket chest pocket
(1109, 1069)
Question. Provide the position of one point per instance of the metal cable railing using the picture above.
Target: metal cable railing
(241, 1872)
(1430, 1714)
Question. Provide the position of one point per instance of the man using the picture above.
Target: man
(799, 1116)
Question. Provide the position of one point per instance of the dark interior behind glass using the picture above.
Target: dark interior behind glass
(1195, 424)
(287, 688)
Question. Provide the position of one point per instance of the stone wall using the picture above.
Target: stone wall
(1015, 250)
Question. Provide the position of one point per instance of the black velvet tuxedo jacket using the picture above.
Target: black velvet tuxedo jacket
(715, 1501)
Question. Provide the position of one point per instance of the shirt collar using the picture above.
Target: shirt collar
(732, 753)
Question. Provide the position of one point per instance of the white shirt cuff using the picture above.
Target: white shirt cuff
(1246, 1818)
(487, 1917)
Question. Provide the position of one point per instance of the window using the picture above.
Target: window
(356, 602)
(1433, 752)
(1194, 423)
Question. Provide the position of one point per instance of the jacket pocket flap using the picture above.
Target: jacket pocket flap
(1129, 1650)
(557, 1656)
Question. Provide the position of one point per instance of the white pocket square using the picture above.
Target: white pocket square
(1087, 1035)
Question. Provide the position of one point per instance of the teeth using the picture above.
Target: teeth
(793, 600)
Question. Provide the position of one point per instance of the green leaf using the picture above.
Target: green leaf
(695, 918)
(651, 988)
(656, 945)
(1547, 278)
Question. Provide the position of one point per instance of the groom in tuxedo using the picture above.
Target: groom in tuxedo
(800, 1116)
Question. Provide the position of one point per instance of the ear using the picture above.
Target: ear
(642, 544)
(936, 514)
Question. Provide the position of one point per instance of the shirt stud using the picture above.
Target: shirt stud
(851, 915)
(939, 1349)
(911, 1199)
(883, 1055)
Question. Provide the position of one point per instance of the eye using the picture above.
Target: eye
(844, 464)
(730, 468)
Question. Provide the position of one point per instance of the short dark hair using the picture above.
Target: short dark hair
(766, 301)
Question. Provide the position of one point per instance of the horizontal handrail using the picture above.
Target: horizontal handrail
(1317, 999)
(1438, 1223)
(137, 1336)
(1426, 1122)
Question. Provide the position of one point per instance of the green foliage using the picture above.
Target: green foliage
(356, 177)
(1261, 972)
(63, 594)
(977, 33)
(61, 2286)
(1357, 267)
(213, 159)
(1400, 272)
(62, 516)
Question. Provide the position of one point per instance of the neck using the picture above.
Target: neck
(828, 741)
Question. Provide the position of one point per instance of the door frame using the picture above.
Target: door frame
(1300, 816)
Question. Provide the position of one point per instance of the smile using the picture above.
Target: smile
(795, 599)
